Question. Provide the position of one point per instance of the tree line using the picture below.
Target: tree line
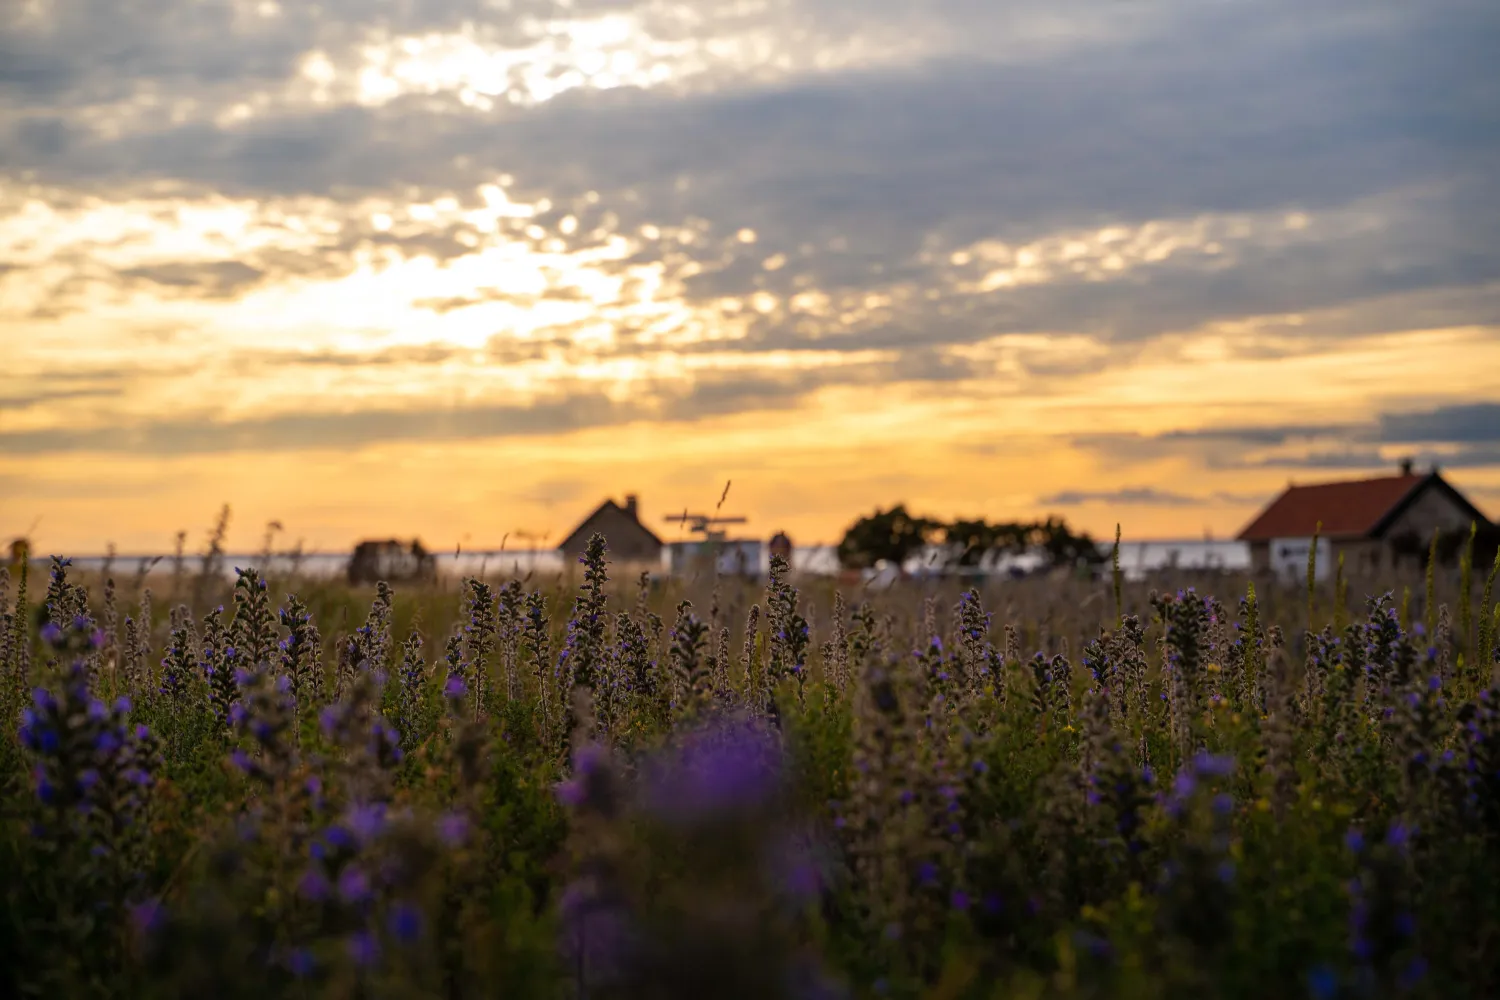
(895, 535)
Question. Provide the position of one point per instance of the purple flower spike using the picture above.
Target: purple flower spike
(713, 772)
(363, 948)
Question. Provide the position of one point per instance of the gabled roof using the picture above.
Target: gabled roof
(607, 506)
(1349, 509)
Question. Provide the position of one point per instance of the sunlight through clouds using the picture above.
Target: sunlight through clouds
(758, 235)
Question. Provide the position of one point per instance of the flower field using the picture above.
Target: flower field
(596, 788)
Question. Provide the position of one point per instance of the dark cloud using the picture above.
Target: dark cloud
(1464, 435)
(311, 431)
(1128, 496)
(1470, 423)
(23, 401)
(1376, 118)
(705, 395)
(217, 279)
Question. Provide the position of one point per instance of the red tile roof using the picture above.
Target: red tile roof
(1346, 509)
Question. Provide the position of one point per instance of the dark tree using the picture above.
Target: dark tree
(890, 535)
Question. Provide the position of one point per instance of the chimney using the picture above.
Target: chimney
(1406, 465)
(630, 506)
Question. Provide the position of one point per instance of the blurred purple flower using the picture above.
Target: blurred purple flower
(1214, 765)
(366, 821)
(1323, 982)
(300, 963)
(148, 917)
(405, 923)
(363, 948)
(714, 771)
(354, 885)
(453, 829)
(314, 885)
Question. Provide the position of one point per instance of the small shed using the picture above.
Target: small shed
(391, 561)
(629, 540)
(1373, 523)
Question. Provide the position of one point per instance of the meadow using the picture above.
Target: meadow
(595, 787)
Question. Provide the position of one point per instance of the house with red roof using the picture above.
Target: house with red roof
(1373, 523)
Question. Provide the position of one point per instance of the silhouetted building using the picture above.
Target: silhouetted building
(629, 540)
(780, 545)
(1372, 522)
(391, 561)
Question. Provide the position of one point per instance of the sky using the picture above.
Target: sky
(459, 269)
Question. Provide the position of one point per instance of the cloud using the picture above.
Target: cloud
(575, 406)
(1145, 496)
(210, 279)
(1463, 435)
(1372, 120)
(26, 400)
(1470, 423)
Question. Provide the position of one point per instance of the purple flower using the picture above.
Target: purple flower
(1323, 982)
(241, 760)
(340, 837)
(596, 933)
(959, 900)
(405, 923)
(1414, 973)
(148, 917)
(366, 821)
(1223, 804)
(363, 948)
(1354, 840)
(455, 686)
(354, 885)
(1214, 765)
(300, 963)
(314, 885)
(571, 793)
(794, 867)
(453, 829)
(714, 771)
(51, 634)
